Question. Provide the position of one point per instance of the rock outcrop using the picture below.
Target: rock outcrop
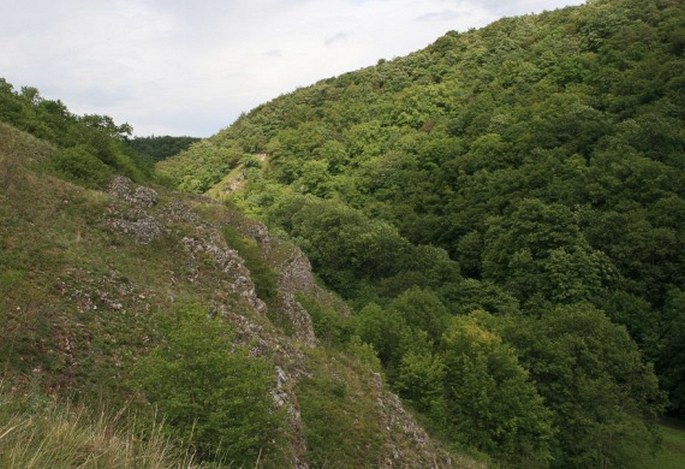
(210, 263)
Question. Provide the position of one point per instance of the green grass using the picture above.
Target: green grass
(340, 415)
(672, 453)
(264, 278)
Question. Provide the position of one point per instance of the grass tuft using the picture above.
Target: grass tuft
(36, 432)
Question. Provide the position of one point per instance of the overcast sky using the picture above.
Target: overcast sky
(190, 67)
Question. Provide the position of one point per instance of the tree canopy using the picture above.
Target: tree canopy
(533, 169)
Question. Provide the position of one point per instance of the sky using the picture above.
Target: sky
(191, 67)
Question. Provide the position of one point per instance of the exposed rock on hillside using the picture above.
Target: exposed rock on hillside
(407, 437)
(210, 262)
(136, 222)
(229, 262)
(139, 196)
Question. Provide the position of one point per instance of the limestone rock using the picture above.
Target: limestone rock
(229, 262)
(123, 188)
(142, 227)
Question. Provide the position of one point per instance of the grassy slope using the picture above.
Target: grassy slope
(61, 270)
(672, 454)
(50, 256)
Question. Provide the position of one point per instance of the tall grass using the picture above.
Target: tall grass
(671, 455)
(38, 433)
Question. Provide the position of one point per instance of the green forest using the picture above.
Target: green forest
(500, 218)
(507, 201)
(160, 147)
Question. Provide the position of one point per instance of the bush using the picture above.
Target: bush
(80, 165)
(212, 394)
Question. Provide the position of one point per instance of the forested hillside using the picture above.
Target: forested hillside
(505, 212)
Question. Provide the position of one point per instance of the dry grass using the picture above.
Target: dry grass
(38, 433)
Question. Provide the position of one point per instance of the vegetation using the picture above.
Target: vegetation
(35, 432)
(118, 296)
(203, 164)
(159, 148)
(333, 398)
(212, 395)
(264, 277)
(502, 211)
(489, 399)
(603, 397)
(673, 449)
(532, 169)
(92, 146)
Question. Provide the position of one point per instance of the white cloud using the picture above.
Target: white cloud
(178, 67)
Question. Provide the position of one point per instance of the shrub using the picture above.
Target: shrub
(212, 394)
(78, 164)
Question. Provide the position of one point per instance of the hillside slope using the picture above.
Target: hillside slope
(532, 170)
(96, 285)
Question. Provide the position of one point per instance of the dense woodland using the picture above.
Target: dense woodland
(505, 209)
(160, 147)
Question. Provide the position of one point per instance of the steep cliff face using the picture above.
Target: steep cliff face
(88, 276)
